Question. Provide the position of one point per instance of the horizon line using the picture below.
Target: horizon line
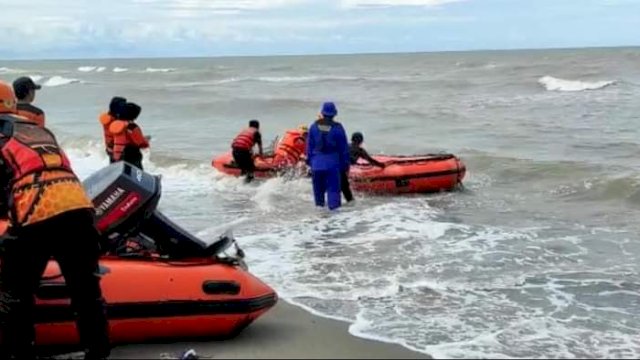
(561, 48)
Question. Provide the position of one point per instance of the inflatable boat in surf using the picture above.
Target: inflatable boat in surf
(403, 174)
(159, 281)
(408, 174)
(285, 156)
(265, 166)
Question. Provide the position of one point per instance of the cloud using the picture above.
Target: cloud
(235, 4)
(391, 3)
(220, 4)
(132, 28)
(136, 28)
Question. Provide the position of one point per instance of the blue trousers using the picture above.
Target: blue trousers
(327, 181)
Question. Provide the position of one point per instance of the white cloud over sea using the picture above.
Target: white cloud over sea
(133, 28)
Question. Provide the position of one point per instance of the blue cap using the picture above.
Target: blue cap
(329, 109)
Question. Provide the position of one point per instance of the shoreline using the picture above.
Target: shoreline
(287, 331)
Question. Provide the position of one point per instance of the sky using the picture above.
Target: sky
(45, 29)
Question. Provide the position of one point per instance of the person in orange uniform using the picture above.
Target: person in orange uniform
(242, 148)
(291, 147)
(128, 138)
(106, 118)
(25, 90)
(50, 214)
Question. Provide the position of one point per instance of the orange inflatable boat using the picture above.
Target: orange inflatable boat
(159, 282)
(286, 155)
(403, 174)
(158, 299)
(265, 166)
(408, 174)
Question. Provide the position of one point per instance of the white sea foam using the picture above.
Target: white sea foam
(56, 81)
(556, 84)
(86, 68)
(163, 70)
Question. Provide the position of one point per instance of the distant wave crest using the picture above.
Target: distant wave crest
(150, 69)
(289, 79)
(86, 68)
(305, 78)
(7, 70)
(337, 78)
(92, 68)
(555, 84)
(60, 81)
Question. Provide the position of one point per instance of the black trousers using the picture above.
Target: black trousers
(133, 156)
(244, 160)
(110, 156)
(73, 241)
(344, 184)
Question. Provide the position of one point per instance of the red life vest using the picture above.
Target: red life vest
(245, 139)
(42, 182)
(106, 119)
(290, 148)
(125, 134)
(34, 114)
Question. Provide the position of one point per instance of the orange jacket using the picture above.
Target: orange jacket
(33, 113)
(245, 139)
(106, 119)
(126, 133)
(291, 147)
(41, 184)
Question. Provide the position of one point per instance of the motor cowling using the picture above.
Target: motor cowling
(124, 197)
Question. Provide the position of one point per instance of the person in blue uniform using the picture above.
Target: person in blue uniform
(328, 156)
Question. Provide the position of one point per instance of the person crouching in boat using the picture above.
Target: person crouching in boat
(356, 151)
(328, 155)
(106, 118)
(242, 149)
(50, 215)
(291, 147)
(128, 138)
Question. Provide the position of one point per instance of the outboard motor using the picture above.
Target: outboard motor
(126, 199)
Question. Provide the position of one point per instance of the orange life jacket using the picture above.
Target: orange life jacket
(245, 139)
(125, 135)
(33, 113)
(106, 119)
(291, 147)
(42, 183)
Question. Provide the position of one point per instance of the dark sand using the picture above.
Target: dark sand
(285, 332)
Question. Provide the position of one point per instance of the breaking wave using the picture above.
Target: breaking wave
(556, 84)
(55, 81)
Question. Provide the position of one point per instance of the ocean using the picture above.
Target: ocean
(538, 255)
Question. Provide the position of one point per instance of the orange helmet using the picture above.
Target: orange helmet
(8, 101)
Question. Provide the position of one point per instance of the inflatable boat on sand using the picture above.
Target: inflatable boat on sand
(159, 281)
